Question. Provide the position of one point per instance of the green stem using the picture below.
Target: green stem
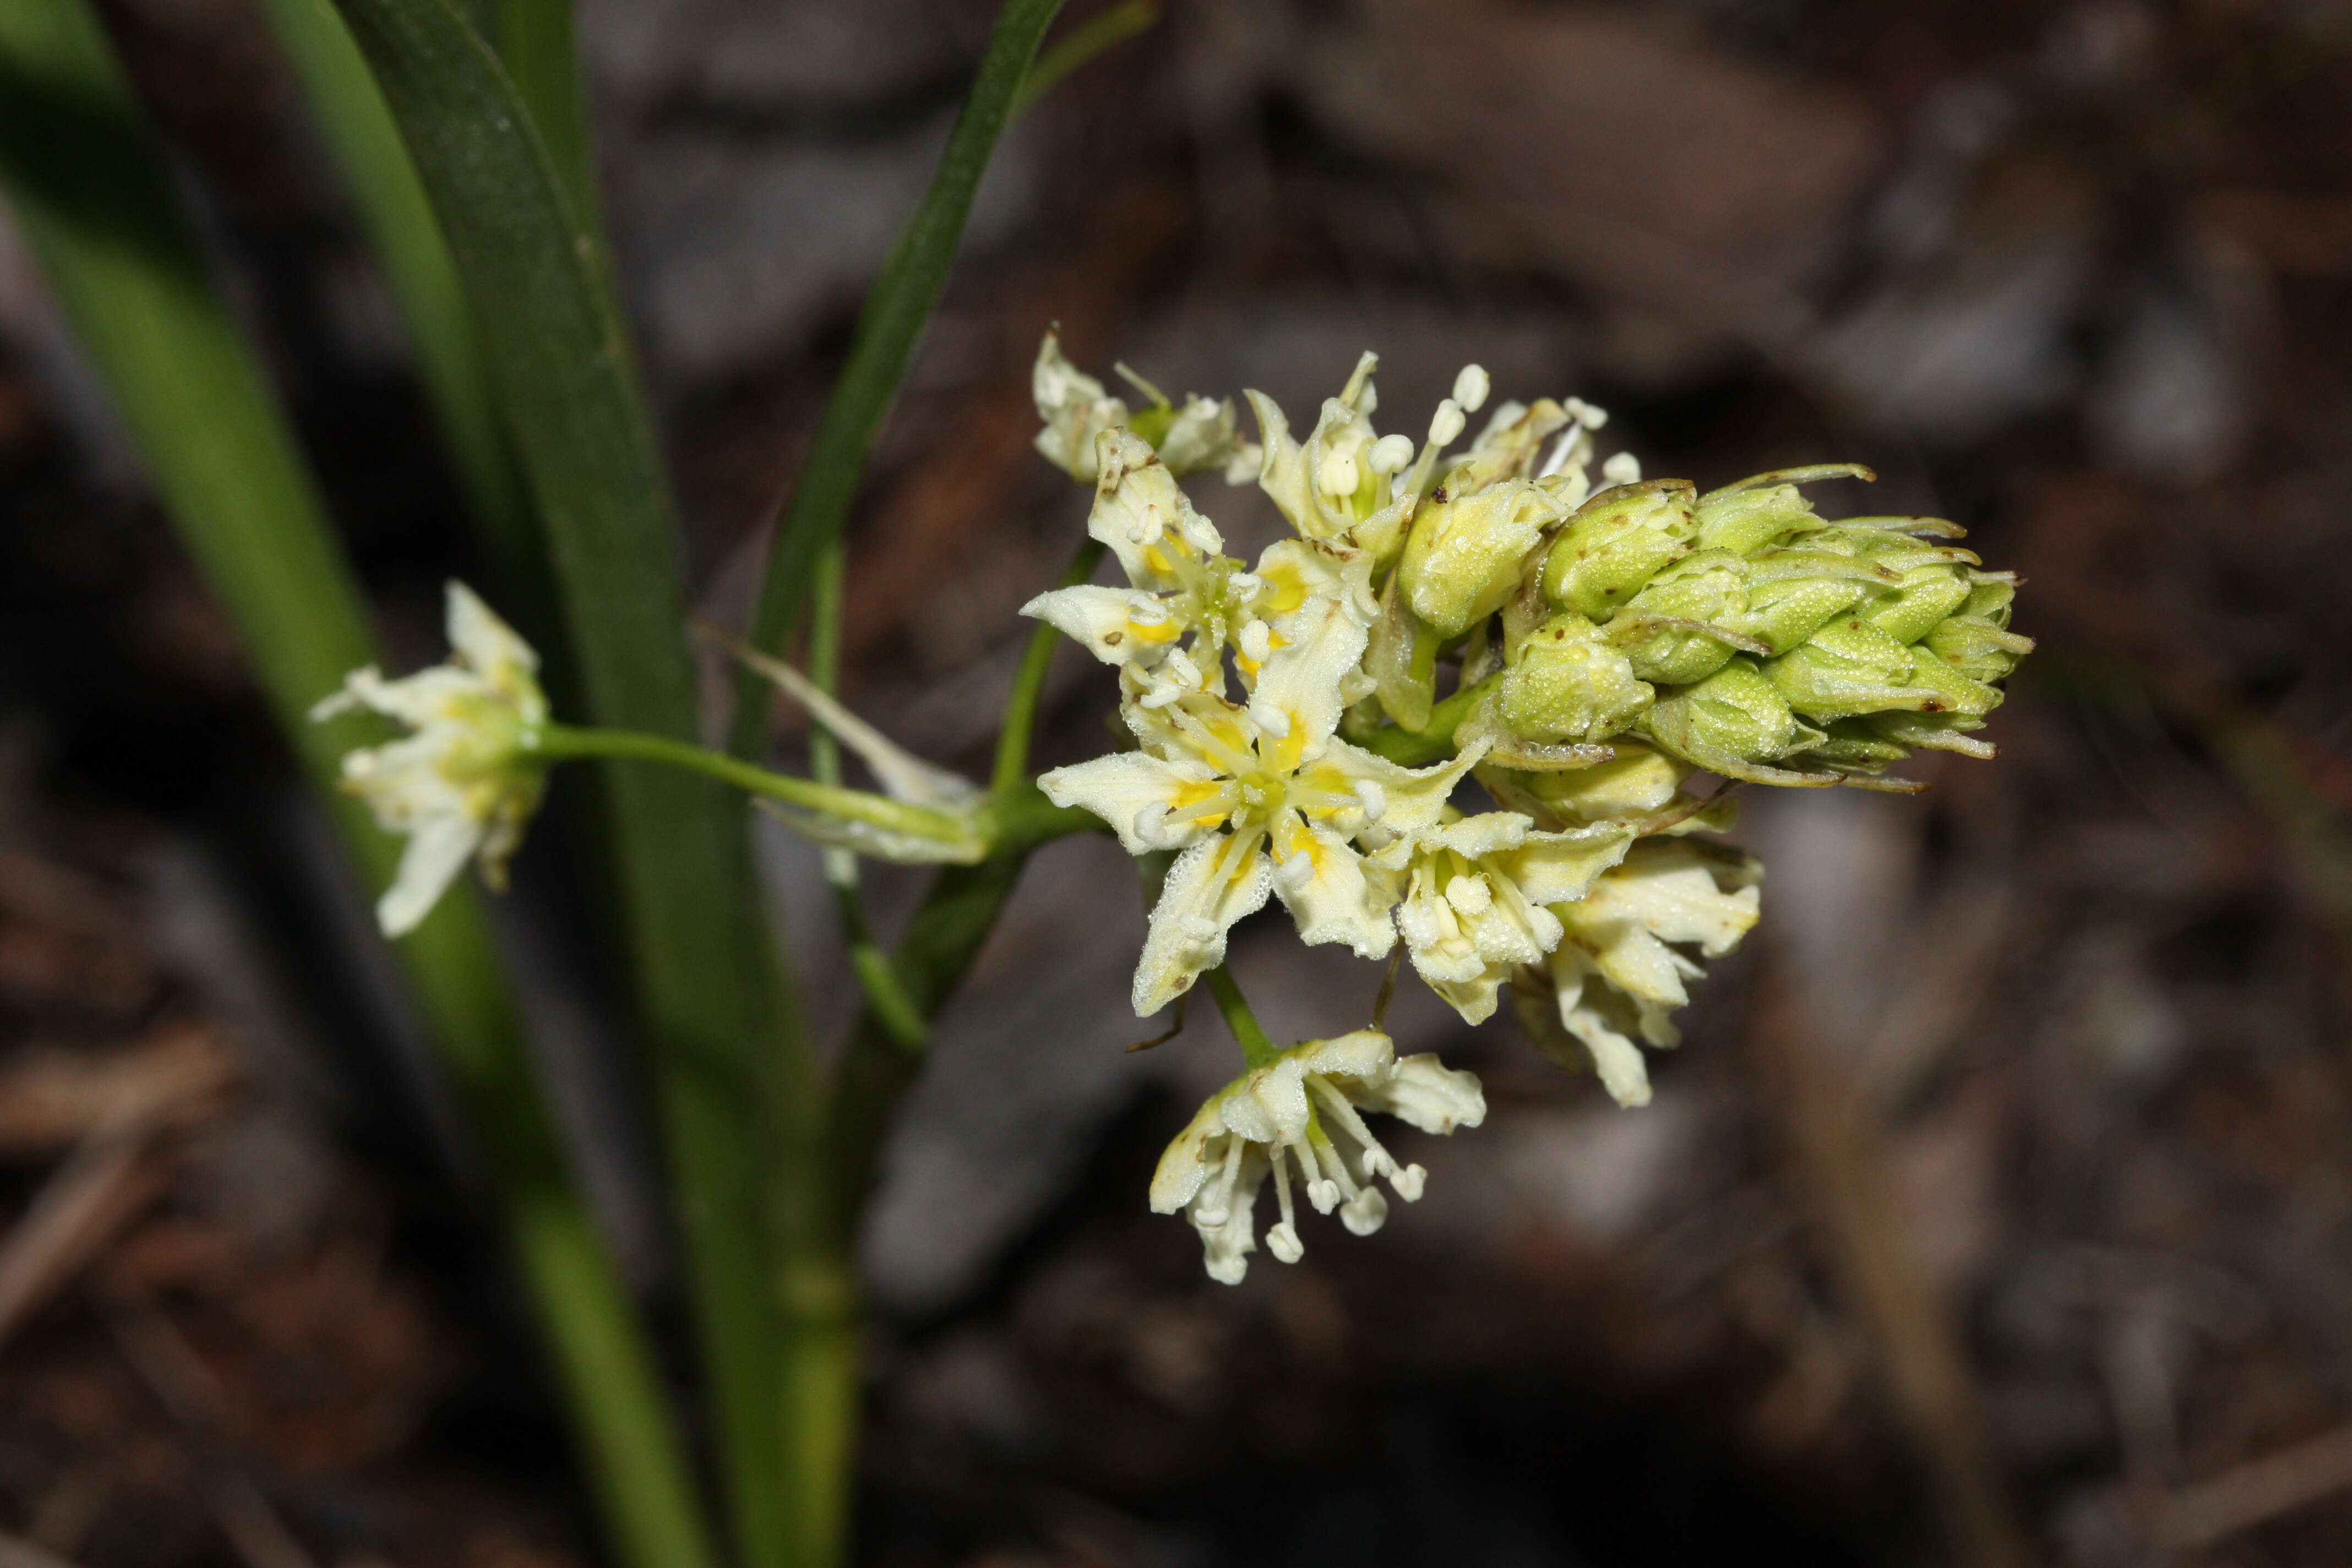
(563, 742)
(1020, 724)
(1258, 1050)
(1434, 743)
(896, 313)
(868, 960)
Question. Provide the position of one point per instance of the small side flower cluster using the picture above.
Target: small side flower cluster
(1302, 726)
(464, 782)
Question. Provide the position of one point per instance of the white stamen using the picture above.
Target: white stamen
(1296, 872)
(1270, 718)
(1407, 1182)
(1470, 895)
(1445, 425)
(1374, 798)
(1585, 414)
(1470, 388)
(1337, 473)
(1256, 642)
(1151, 824)
(1625, 469)
(1147, 612)
(1563, 452)
(1245, 584)
(1365, 1212)
(1283, 1242)
(1288, 1225)
(1214, 1205)
(1389, 455)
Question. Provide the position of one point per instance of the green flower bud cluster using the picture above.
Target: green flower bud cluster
(1737, 631)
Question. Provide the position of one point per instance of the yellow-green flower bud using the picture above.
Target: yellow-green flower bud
(1977, 641)
(1616, 542)
(1926, 595)
(1752, 513)
(1954, 691)
(1847, 668)
(1567, 684)
(1733, 723)
(1635, 783)
(1785, 612)
(1706, 589)
(1855, 746)
(1466, 553)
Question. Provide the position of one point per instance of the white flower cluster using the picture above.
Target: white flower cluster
(463, 783)
(1241, 686)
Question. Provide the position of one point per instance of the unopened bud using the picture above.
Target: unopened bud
(1568, 685)
(1635, 783)
(1847, 668)
(1466, 556)
(1616, 544)
(1733, 723)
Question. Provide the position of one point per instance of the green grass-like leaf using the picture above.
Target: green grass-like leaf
(90, 191)
(715, 1015)
(897, 311)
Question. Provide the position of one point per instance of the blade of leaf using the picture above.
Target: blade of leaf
(537, 43)
(407, 243)
(1110, 27)
(715, 1010)
(90, 191)
(896, 313)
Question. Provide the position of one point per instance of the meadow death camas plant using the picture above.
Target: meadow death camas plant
(1456, 718)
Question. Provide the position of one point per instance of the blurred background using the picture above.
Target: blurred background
(1998, 1209)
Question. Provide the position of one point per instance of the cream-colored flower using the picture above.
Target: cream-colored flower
(1076, 409)
(1282, 1117)
(1187, 602)
(1616, 973)
(1260, 800)
(465, 783)
(955, 800)
(1473, 896)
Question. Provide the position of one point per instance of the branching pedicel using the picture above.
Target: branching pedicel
(1291, 740)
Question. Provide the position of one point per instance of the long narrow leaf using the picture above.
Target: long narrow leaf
(89, 189)
(539, 43)
(714, 1009)
(896, 313)
(406, 239)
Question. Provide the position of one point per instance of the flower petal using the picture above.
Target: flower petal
(1214, 883)
(902, 774)
(489, 648)
(1142, 515)
(1423, 1092)
(1560, 868)
(436, 851)
(1075, 408)
(1118, 626)
(876, 842)
(1321, 882)
(1134, 792)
